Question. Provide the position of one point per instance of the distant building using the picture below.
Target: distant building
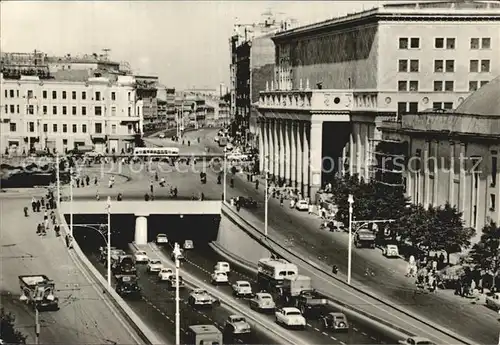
(146, 99)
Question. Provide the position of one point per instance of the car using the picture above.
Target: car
(242, 288)
(302, 205)
(161, 136)
(493, 300)
(141, 257)
(335, 321)
(390, 251)
(103, 253)
(188, 244)
(290, 317)
(161, 239)
(416, 341)
(201, 298)
(216, 139)
(237, 325)
(222, 266)
(154, 266)
(237, 156)
(219, 277)
(171, 282)
(164, 274)
(247, 202)
(262, 301)
(180, 257)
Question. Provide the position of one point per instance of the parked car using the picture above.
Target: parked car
(188, 244)
(416, 341)
(161, 239)
(154, 266)
(493, 300)
(141, 257)
(390, 251)
(242, 288)
(335, 321)
(247, 202)
(164, 274)
(263, 301)
(302, 205)
(161, 136)
(219, 277)
(222, 266)
(290, 317)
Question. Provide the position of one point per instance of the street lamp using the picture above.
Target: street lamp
(58, 181)
(108, 208)
(71, 201)
(266, 203)
(177, 253)
(350, 200)
(225, 183)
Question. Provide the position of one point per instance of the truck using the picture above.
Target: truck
(292, 287)
(311, 303)
(272, 273)
(127, 285)
(364, 238)
(38, 291)
(124, 265)
(203, 334)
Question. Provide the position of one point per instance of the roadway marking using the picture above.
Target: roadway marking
(324, 333)
(317, 329)
(342, 343)
(354, 329)
(333, 338)
(364, 333)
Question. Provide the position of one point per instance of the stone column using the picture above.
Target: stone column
(435, 171)
(282, 148)
(341, 164)
(351, 150)
(427, 186)
(266, 145)
(305, 158)
(316, 157)
(141, 230)
(262, 149)
(293, 153)
(368, 153)
(274, 150)
(299, 139)
(288, 151)
(359, 150)
(451, 176)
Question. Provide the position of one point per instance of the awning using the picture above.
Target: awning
(98, 137)
(121, 137)
(131, 120)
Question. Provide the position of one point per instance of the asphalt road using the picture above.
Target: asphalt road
(84, 316)
(200, 263)
(370, 270)
(157, 309)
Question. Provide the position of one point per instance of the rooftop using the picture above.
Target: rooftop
(485, 101)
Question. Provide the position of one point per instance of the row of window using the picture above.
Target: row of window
(74, 127)
(441, 66)
(98, 110)
(439, 85)
(64, 95)
(412, 107)
(445, 43)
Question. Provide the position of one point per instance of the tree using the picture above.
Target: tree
(8, 333)
(227, 97)
(486, 253)
(414, 225)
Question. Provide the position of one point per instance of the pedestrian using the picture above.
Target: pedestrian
(202, 196)
(26, 211)
(42, 200)
(38, 228)
(151, 187)
(97, 197)
(146, 197)
(281, 201)
(96, 181)
(46, 223)
(45, 215)
(256, 184)
(77, 183)
(119, 197)
(33, 204)
(87, 178)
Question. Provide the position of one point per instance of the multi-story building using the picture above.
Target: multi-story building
(224, 115)
(337, 79)
(146, 88)
(166, 105)
(68, 110)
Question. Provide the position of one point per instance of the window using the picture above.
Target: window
(403, 43)
(44, 94)
(6, 109)
(492, 202)
(17, 93)
(439, 43)
(64, 95)
(73, 110)
(415, 43)
(54, 128)
(97, 96)
(84, 95)
(64, 110)
(54, 110)
(129, 127)
(31, 109)
(438, 85)
(472, 86)
(401, 107)
(413, 107)
(11, 92)
(413, 85)
(450, 66)
(449, 85)
(45, 128)
(84, 128)
(494, 169)
(98, 128)
(113, 111)
(113, 96)
(17, 108)
(31, 127)
(437, 105)
(65, 128)
(74, 129)
(450, 43)
(448, 105)
(484, 82)
(485, 43)
(474, 43)
(44, 109)
(54, 94)
(129, 111)
(98, 110)
(438, 66)
(6, 94)
(30, 94)
(474, 66)
(13, 127)
(485, 65)
(84, 110)
(129, 96)
(413, 65)
(402, 85)
(73, 94)
(12, 108)
(113, 129)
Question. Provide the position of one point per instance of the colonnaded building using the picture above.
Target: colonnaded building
(336, 81)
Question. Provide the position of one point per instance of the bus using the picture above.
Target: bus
(203, 335)
(152, 152)
(272, 272)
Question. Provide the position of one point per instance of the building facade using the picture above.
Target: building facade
(336, 80)
(453, 156)
(60, 114)
(147, 102)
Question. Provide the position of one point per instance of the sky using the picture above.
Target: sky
(184, 43)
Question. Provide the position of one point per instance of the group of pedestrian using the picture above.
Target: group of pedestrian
(48, 219)
(84, 181)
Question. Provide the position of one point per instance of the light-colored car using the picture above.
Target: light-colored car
(493, 300)
(141, 257)
(416, 341)
(201, 298)
(391, 251)
(180, 257)
(335, 321)
(290, 317)
(188, 244)
(302, 205)
(237, 157)
(222, 266)
(219, 277)
(164, 274)
(242, 288)
(161, 136)
(237, 324)
(161, 239)
(154, 266)
(262, 301)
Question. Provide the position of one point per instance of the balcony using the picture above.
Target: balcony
(307, 100)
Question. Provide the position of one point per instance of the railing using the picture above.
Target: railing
(318, 100)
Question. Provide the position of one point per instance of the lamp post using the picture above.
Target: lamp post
(350, 200)
(71, 201)
(266, 203)
(224, 177)
(58, 181)
(177, 253)
(108, 208)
